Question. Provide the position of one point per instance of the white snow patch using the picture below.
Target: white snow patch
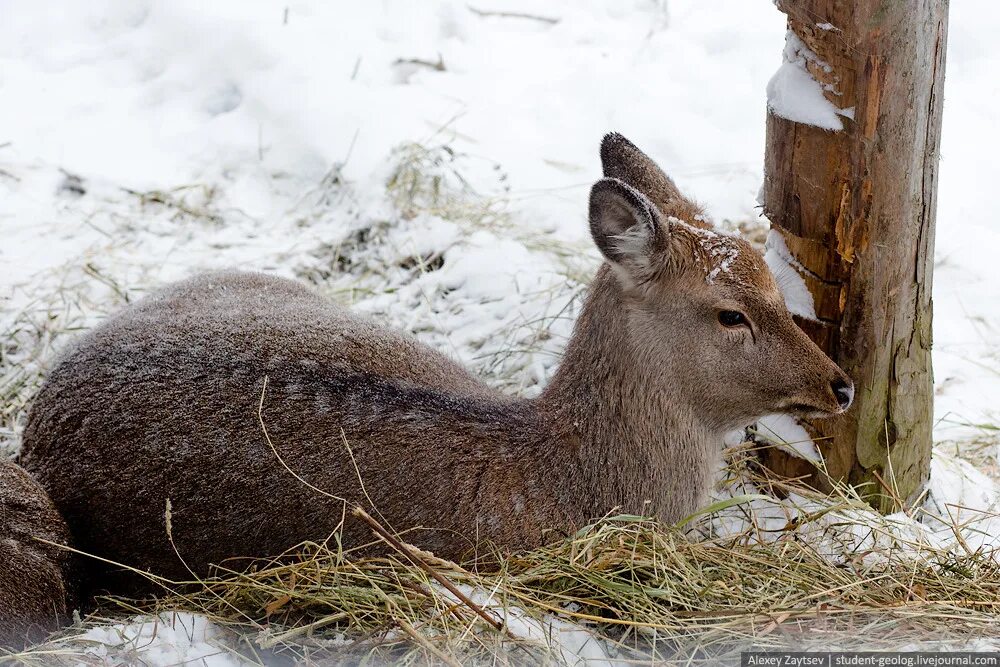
(733, 438)
(960, 499)
(787, 273)
(959, 494)
(794, 94)
(165, 640)
(571, 643)
(957, 482)
(785, 433)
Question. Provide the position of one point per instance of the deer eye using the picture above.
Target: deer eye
(732, 318)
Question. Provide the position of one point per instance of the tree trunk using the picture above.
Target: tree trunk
(856, 207)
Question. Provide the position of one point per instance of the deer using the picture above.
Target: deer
(36, 578)
(237, 414)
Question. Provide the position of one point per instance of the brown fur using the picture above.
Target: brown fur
(34, 577)
(160, 402)
(622, 160)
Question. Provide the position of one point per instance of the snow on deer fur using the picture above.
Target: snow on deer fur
(720, 250)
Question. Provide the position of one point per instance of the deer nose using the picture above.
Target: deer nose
(844, 391)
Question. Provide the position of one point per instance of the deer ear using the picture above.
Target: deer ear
(621, 159)
(626, 227)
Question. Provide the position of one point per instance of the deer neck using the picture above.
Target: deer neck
(640, 445)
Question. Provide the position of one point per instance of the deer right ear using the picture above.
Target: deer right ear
(626, 227)
(621, 159)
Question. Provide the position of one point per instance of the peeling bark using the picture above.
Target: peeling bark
(856, 208)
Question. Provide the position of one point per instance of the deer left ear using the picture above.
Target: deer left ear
(626, 227)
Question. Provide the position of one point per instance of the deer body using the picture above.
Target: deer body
(434, 446)
(263, 412)
(35, 577)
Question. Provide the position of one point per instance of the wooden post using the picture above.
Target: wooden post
(856, 207)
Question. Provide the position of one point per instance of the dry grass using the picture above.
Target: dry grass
(428, 178)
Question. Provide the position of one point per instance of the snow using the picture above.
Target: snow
(788, 435)
(719, 249)
(170, 639)
(959, 512)
(573, 644)
(959, 494)
(724, 255)
(788, 274)
(794, 94)
(166, 640)
(142, 141)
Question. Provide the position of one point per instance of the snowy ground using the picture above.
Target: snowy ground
(143, 141)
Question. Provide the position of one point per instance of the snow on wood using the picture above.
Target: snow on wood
(794, 94)
(788, 274)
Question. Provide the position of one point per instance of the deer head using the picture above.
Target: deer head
(702, 307)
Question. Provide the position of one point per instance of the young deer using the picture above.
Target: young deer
(35, 579)
(255, 406)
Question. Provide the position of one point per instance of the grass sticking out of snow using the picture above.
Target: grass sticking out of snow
(456, 265)
(430, 255)
(428, 178)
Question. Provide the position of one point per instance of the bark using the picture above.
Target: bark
(856, 208)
